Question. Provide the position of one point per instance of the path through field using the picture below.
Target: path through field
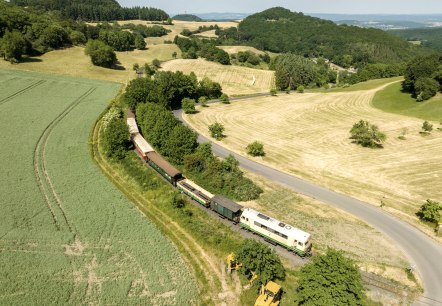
(67, 235)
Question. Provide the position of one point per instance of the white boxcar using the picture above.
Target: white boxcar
(132, 125)
(141, 145)
(276, 231)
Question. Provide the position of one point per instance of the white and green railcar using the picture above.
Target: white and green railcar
(276, 231)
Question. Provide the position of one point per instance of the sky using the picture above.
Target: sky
(307, 6)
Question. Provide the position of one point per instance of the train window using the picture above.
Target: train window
(263, 217)
(284, 236)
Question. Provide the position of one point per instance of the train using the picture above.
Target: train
(272, 230)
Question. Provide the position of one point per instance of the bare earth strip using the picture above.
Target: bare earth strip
(308, 135)
(233, 79)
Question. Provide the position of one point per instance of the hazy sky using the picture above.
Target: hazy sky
(307, 6)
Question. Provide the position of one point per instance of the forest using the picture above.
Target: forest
(429, 37)
(95, 10)
(280, 30)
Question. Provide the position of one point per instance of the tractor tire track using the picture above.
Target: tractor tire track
(44, 182)
(22, 91)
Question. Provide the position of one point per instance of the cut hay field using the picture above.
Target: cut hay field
(308, 135)
(73, 62)
(233, 79)
(67, 235)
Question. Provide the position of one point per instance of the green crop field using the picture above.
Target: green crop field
(67, 235)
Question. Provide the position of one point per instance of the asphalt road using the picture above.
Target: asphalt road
(424, 253)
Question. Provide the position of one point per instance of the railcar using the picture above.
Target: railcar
(141, 145)
(276, 232)
(194, 191)
(132, 123)
(170, 173)
(226, 208)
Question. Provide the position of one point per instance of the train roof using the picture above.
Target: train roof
(132, 125)
(276, 225)
(227, 203)
(142, 144)
(195, 186)
(130, 114)
(163, 164)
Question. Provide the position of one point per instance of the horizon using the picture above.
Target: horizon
(340, 7)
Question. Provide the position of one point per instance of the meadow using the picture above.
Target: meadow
(233, 79)
(308, 135)
(67, 235)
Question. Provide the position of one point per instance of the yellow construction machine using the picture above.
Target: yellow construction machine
(269, 295)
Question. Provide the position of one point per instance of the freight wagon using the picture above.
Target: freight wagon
(141, 146)
(226, 208)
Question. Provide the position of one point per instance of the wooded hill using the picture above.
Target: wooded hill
(95, 10)
(429, 37)
(186, 17)
(280, 30)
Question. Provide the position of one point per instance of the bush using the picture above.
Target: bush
(216, 130)
(77, 38)
(331, 279)
(300, 88)
(225, 98)
(430, 211)
(177, 200)
(427, 127)
(203, 101)
(255, 149)
(115, 137)
(367, 135)
(426, 88)
(188, 106)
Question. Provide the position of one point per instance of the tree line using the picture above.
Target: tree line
(95, 10)
(193, 48)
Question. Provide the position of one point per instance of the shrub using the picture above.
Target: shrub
(188, 106)
(216, 130)
(273, 92)
(430, 211)
(203, 101)
(300, 88)
(101, 54)
(225, 98)
(177, 200)
(367, 135)
(427, 127)
(255, 149)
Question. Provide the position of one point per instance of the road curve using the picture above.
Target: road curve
(423, 252)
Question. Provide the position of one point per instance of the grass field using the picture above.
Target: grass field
(308, 135)
(233, 79)
(67, 235)
(73, 62)
(392, 100)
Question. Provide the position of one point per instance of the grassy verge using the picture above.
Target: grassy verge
(392, 100)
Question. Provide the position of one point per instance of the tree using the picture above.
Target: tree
(430, 211)
(13, 46)
(174, 54)
(225, 98)
(427, 127)
(148, 71)
(116, 138)
(203, 101)
(137, 91)
(230, 163)
(425, 88)
(140, 43)
(293, 70)
(156, 63)
(331, 279)
(259, 258)
(180, 142)
(77, 38)
(255, 149)
(188, 105)
(367, 135)
(101, 54)
(216, 130)
(135, 67)
(210, 89)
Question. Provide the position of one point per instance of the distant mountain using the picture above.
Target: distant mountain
(384, 22)
(223, 16)
(280, 30)
(186, 17)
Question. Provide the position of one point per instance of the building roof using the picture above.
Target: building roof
(142, 144)
(276, 225)
(163, 164)
(227, 203)
(132, 125)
